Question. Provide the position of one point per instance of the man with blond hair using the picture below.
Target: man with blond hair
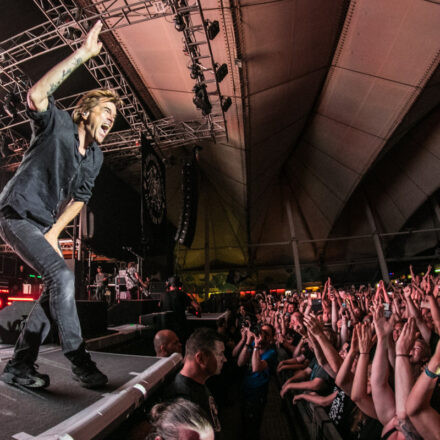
(58, 169)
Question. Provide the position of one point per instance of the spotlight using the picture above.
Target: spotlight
(195, 71)
(10, 104)
(226, 103)
(212, 28)
(179, 23)
(201, 99)
(221, 72)
(72, 33)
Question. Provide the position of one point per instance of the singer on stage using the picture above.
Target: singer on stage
(59, 167)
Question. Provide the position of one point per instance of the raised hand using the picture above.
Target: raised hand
(407, 291)
(249, 337)
(354, 346)
(91, 46)
(365, 337)
(312, 324)
(406, 339)
(382, 326)
(258, 340)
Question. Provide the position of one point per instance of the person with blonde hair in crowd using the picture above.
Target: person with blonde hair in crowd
(179, 420)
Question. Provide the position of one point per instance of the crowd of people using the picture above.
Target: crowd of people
(369, 355)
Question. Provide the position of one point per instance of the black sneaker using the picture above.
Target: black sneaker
(88, 375)
(84, 369)
(25, 375)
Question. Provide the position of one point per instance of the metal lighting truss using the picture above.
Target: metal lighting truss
(63, 15)
(195, 37)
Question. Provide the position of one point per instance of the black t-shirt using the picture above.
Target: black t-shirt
(340, 412)
(185, 387)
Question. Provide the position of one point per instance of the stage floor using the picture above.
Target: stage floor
(33, 412)
(208, 317)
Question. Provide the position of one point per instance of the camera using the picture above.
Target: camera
(256, 329)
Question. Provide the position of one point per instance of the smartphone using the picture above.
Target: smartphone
(386, 307)
(344, 305)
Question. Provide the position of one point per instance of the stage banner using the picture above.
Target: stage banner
(153, 198)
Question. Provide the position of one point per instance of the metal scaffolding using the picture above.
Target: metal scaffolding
(66, 25)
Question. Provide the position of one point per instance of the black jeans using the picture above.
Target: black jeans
(57, 301)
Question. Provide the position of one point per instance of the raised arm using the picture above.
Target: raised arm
(246, 350)
(415, 313)
(403, 377)
(332, 356)
(258, 364)
(359, 393)
(334, 311)
(433, 306)
(38, 94)
(344, 378)
(320, 356)
(383, 396)
(418, 404)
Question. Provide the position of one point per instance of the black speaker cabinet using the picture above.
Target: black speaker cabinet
(92, 317)
(12, 319)
(128, 312)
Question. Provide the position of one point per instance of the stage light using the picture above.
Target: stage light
(179, 23)
(195, 71)
(10, 104)
(226, 103)
(201, 99)
(72, 33)
(212, 28)
(221, 72)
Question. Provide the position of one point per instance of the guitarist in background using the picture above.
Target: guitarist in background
(133, 281)
(101, 281)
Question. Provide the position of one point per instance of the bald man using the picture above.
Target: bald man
(166, 342)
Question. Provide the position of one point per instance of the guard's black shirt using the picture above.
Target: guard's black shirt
(52, 170)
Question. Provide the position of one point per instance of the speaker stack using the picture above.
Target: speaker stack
(188, 218)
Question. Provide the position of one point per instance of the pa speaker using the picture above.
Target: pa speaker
(128, 312)
(12, 319)
(188, 218)
(92, 317)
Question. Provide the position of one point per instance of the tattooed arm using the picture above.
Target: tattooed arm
(42, 89)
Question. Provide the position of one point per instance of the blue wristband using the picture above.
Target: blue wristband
(431, 374)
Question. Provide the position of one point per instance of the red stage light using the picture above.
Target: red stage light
(11, 298)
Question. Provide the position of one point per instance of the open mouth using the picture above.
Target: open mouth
(105, 128)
